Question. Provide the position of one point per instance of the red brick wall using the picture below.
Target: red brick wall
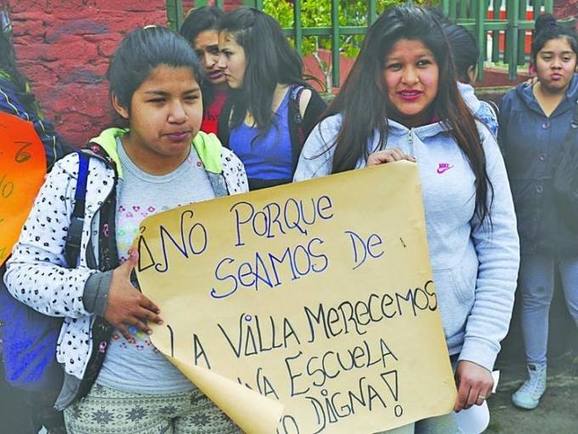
(229, 4)
(63, 47)
(566, 9)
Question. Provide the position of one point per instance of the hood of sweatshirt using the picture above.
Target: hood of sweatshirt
(207, 146)
(470, 98)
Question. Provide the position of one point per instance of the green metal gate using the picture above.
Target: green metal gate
(499, 26)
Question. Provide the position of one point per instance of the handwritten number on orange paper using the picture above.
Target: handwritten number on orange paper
(6, 187)
(22, 155)
(22, 171)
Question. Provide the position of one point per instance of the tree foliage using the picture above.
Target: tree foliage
(317, 13)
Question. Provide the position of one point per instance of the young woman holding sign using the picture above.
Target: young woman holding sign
(401, 101)
(157, 161)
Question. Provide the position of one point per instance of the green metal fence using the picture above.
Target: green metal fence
(508, 25)
(499, 26)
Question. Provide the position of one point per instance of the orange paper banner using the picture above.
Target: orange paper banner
(22, 171)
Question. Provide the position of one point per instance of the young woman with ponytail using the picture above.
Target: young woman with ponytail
(534, 120)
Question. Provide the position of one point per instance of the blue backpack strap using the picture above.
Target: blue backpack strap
(74, 236)
(30, 338)
(296, 129)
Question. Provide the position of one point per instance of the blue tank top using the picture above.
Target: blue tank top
(267, 158)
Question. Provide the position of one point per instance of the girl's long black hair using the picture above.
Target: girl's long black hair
(270, 61)
(363, 98)
(546, 29)
(465, 50)
(141, 51)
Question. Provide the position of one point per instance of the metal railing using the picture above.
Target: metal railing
(510, 21)
(499, 26)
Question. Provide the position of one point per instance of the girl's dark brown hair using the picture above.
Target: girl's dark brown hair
(139, 53)
(546, 29)
(270, 61)
(365, 109)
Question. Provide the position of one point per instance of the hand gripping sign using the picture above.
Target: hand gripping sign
(22, 171)
(306, 308)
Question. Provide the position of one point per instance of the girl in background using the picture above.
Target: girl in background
(534, 120)
(401, 101)
(157, 161)
(200, 28)
(466, 54)
(272, 110)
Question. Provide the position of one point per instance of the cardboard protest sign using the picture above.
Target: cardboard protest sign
(22, 171)
(311, 302)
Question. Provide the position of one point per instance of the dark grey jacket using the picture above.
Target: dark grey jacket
(531, 143)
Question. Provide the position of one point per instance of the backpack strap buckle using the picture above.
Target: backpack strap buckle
(73, 240)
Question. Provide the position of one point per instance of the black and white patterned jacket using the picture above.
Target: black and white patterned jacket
(37, 274)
